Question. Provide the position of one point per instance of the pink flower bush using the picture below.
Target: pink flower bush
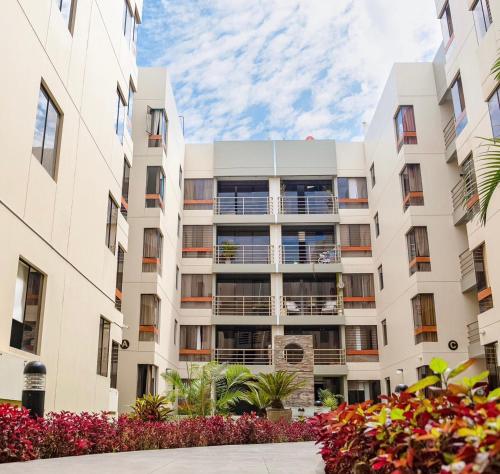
(70, 434)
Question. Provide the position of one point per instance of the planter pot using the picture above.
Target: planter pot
(275, 414)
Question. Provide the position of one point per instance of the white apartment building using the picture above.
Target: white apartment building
(69, 77)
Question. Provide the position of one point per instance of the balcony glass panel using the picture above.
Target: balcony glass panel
(248, 345)
(242, 197)
(307, 197)
(309, 245)
(247, 245)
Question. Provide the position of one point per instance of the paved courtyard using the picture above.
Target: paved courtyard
(285, 458)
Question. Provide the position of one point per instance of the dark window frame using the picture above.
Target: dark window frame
(103, 351)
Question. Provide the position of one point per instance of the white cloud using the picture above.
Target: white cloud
(228, 58)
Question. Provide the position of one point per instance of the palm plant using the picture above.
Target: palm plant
(230, 388)
(258, 400)
(277, 387)
(490, 176)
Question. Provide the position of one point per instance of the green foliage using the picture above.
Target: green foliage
(151, 408)
(277, 386)
(229, 249)
(259, 400)
(329, 399)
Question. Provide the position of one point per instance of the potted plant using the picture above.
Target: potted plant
(228, 251)
(329, 400)
(277, 387)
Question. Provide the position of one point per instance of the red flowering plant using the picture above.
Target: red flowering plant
(455, 431)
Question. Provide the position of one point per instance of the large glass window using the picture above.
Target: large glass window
(197, 241)
(103, 347)
(418, 250)
(482, 17)
(68, 8)
(157, 128)
(490, 352)
(120, 114)
(359, 290)
(457, 95)
(195, 343)
(27, 308)
(305, 196)
(147, 380)
(196, 291)
(119, 279)
(484, 293)
(45, 140)
(111, 224)
(361, 343)
(149, 318)
(198, 193)
(406, 129)
(125, 188)
(130, 106)
(113, 376)
(152, 251)
(411, 186)
(155, 187)
(355, 240)
(494, 107)
(424, 318)
(353, 193)
(447, 26)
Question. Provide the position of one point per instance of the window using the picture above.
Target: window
(388, 389)
(152, 251)
(418, 250)
(26, 314)
(411, 186)
(196, 291)
(490, 352)
(377, 225)
(130, 106)
(178, 225)
(111, 224)
(113, 375)
(447, 26)
(129, 24)
(46, 138)
(197, 241)
(457, 95)
(147, 376)
(157, 128)
(384, 332)
(176, 324)
(120, 114)
(424, 318)
(406, 130)
(353, 193)
(359, 391)
(355, 240)
(176, 277)
(195, 343)
(372, 174)
(484, 294)
(149, 318)
(494, 107)
(119, 279)
(180, 177)
(361, 343)
(198, 194)
(482, 17)
(103, 347)
(67, 8)
(125, 188)
(380, 277)
(155, 187)
(359, 290)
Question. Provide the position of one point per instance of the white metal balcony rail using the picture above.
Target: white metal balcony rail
(244, 356)
(473, 332)
(243, 306)
(330, 305)
(327, 204)
(466, 263)
(329, 357)
(464, 194)
(244, 205)
(269, 356)
(450, 132)
(303, 253)
(246, 254)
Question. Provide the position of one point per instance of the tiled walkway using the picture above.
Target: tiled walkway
(285, 458)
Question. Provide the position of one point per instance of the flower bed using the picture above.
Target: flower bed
(406, 434)
(70, 434)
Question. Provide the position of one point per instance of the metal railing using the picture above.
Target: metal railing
(466, 263)
(473, 332)
(308, 204)
(330, 305)
(243, 305)
(464, 193)
(247, 254)
(450, 132)
(303, 253)
(245, 205)
(269, 356)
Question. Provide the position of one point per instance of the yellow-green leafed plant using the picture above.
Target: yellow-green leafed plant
(151, 408)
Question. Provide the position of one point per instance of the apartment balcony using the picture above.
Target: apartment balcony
(450, 134)
(467, 271)
(234, 258)
(473, 336)
(310, 257)
(302, 310)
(244, 356)
(247, 209)
(308, 209)
(243, 309)
(465, 202)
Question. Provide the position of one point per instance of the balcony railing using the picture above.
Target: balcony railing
(243, 305)
(308, 204)
(268, 356)
(246, 254)
(246, 205)
(330, 305)
(449, 133)
(317, 253)
(465, 195)
(466, 264)
(473, 332)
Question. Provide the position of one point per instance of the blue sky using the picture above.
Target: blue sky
(282, 69)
